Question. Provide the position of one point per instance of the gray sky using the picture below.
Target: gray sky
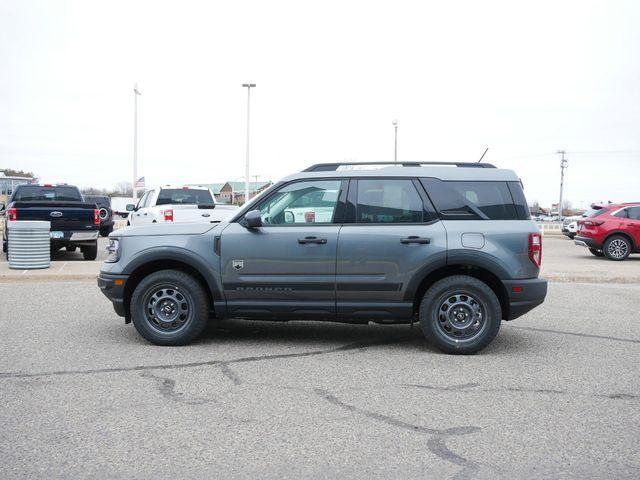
(524, 78)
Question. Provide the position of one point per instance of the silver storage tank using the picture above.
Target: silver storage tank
(29, 244)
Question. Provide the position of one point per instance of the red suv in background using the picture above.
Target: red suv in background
(612, 231)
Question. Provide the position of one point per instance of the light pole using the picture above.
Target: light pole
(395, 142)
(248, 86)
(136, 92)
(563, 166)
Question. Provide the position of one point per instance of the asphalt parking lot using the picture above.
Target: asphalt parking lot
(556, 395)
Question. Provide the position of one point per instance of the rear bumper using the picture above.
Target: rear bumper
(113, 288)
(585, 242)
(83, 237)
(524, 295)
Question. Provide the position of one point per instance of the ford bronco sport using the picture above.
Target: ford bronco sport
(450, 246)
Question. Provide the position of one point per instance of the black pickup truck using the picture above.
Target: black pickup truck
(74, 222)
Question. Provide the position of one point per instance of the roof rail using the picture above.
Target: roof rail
(332, 167)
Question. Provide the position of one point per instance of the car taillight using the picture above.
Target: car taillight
(168, 215)
(96, 216)
(13, 214)
(535, 248)
(593, 223)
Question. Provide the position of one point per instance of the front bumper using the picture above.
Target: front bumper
(113, 288)
(585, 242)
(524, 295)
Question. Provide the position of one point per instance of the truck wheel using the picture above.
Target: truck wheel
(617, 248)
(104, 232)
(70, 248)
(461, 314)
(169, 307)
(597, 253)
(91, 252)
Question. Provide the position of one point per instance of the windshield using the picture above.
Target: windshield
(32, 193)
(184, 196)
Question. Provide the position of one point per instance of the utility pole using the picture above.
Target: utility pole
(395, 142)
(248, 86)
(136, 92)
(563, 166)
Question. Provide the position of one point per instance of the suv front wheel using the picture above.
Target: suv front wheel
(169, 307)
(461, 314)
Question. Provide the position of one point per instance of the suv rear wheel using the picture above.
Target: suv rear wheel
(461, 314)
(169, 307)
(617, 248)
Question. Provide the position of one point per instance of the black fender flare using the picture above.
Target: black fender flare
(178, 254)
(452, 258)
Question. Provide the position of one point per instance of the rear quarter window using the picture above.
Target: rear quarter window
(477, 200)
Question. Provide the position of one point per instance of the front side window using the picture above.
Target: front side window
(302, 202)
(388, 201)
(142, 200)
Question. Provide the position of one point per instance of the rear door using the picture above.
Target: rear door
(391, 237)
(287, 267)
(633, 224)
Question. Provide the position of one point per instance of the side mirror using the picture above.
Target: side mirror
(289, 217)
(253, 219)
(130, 207)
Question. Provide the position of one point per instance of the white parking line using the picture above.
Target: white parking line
(63, 265)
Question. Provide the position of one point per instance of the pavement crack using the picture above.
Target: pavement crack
(176, 366)
(167, 386)
(228, 372)
(578, 334)
(436, 444)
(470, 388)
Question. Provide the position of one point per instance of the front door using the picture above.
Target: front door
(393, 237)
(287, 267)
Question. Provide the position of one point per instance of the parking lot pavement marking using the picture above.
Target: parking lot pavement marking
(63, 265)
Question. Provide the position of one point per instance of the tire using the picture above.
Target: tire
(70, 248)
(104, 232)
(471, 298)
(91, 252)
(180, 294)
(597, 253)
(617, 248)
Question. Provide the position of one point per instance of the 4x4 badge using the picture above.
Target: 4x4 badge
(238, 264)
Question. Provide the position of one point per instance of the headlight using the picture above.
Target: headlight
(114, 250)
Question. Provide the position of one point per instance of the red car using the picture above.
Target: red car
(612, 231)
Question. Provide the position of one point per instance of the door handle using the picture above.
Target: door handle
(306, 240)
(415, 239)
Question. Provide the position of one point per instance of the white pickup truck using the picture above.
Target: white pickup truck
(178, 205)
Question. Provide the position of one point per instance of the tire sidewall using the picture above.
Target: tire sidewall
(608, 242)
(447, 287)
(183, 283)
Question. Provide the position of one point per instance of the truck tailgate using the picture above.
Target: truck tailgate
(64, 216)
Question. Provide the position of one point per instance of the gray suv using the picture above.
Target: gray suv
(450, 246)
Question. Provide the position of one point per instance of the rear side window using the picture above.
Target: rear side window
(184, 196)
(634, 213)
(477, 200)
(594, 212)
(388, 201)
(34, 193)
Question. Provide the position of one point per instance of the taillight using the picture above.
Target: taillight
(13, 214)
(168, 215)
(535, 248)
(593, 223)
(96, 216)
